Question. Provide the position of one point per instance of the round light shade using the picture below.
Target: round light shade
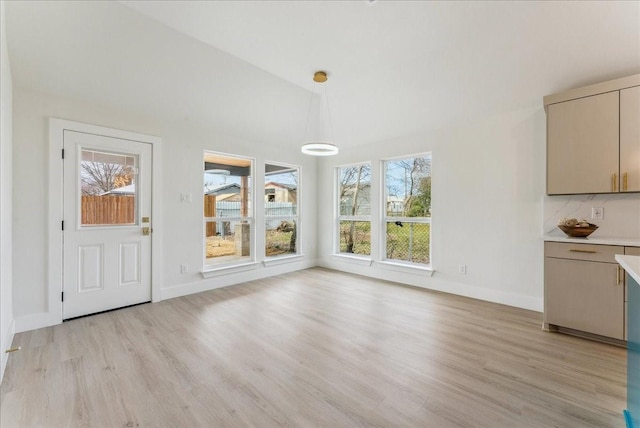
(319, 149)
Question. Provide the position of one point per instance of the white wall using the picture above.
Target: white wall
(182, 151)
(487, 196)
(7, 326)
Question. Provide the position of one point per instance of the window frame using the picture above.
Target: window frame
(339, 218)
(296, 217)
(385, 218)
(250, 219)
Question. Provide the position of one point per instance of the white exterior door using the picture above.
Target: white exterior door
(107, 223)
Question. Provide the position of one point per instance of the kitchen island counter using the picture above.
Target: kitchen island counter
(631, 265)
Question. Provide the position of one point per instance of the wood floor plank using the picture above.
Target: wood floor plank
(314, 348)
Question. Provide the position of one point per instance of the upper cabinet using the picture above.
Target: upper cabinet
(583, 145)
(630, 139)
(593, 138)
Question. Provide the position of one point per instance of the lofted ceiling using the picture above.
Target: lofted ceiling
(395, 67)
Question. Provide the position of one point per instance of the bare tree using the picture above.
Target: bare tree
(411, 184)
(352, 181)
(101, 177)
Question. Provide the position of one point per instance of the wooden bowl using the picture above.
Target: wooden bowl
(577, 231)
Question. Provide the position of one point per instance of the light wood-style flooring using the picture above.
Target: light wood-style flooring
(312, 348)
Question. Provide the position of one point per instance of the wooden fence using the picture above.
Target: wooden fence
(108, 209)
(210, 211)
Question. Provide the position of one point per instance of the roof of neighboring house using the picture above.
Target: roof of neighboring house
(224, 189)
(229, 197)
(129, 189)
(283, 185)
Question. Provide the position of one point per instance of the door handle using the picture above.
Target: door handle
(147, 231)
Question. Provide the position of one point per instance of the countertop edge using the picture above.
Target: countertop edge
(625, 242)
(631, 264)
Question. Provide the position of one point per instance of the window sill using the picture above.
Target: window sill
(406, 267)
(274, 261)
(224, 270)
(353, 259)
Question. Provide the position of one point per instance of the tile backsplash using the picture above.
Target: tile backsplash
(621, 213)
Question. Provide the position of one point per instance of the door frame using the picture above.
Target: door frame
(55, 208)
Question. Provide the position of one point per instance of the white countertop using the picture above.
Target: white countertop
(601, 240)
(631, 264)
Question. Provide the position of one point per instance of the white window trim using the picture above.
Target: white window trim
(285, 258)
(353, 258)
(208, 269)
(228, 269)
(282, 259)
(366, 259)
(406, 267)
(395, 264)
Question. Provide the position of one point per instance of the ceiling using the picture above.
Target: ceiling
(395, 68)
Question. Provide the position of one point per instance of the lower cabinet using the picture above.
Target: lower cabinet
(584, 288)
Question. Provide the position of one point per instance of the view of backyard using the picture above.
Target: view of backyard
(409, 242)
(278, 242)
(407, 209)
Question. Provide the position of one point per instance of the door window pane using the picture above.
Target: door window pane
(108, 188)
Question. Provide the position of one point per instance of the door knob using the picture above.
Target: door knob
(146, 231)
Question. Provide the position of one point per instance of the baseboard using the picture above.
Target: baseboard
(35, 321)
(437, 284)
(6, 345)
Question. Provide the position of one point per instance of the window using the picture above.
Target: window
(228, 217)
(108, 188)
(354, 209)
(407, 209)
(281, 209)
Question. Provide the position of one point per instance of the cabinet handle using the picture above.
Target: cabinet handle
(573, 250)
(624, 181)
(618, 275)
(614, 179)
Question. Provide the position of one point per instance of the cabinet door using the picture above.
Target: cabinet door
(583, 144)
(630, 139)
(584, 296)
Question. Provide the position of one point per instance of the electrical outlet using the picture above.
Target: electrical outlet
(597, 213)
(462, 269)
(184, 268)
(185, 198)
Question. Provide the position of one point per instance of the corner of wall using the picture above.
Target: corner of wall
(7, 322)
(6, 344)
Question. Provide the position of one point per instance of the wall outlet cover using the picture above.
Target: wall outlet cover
(597, 213)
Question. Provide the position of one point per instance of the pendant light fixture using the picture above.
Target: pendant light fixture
(319, 131)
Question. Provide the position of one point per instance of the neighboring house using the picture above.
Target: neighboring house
(364, 199)
(225, 192)
(280, 192)
(395, 205)
(128, 190)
